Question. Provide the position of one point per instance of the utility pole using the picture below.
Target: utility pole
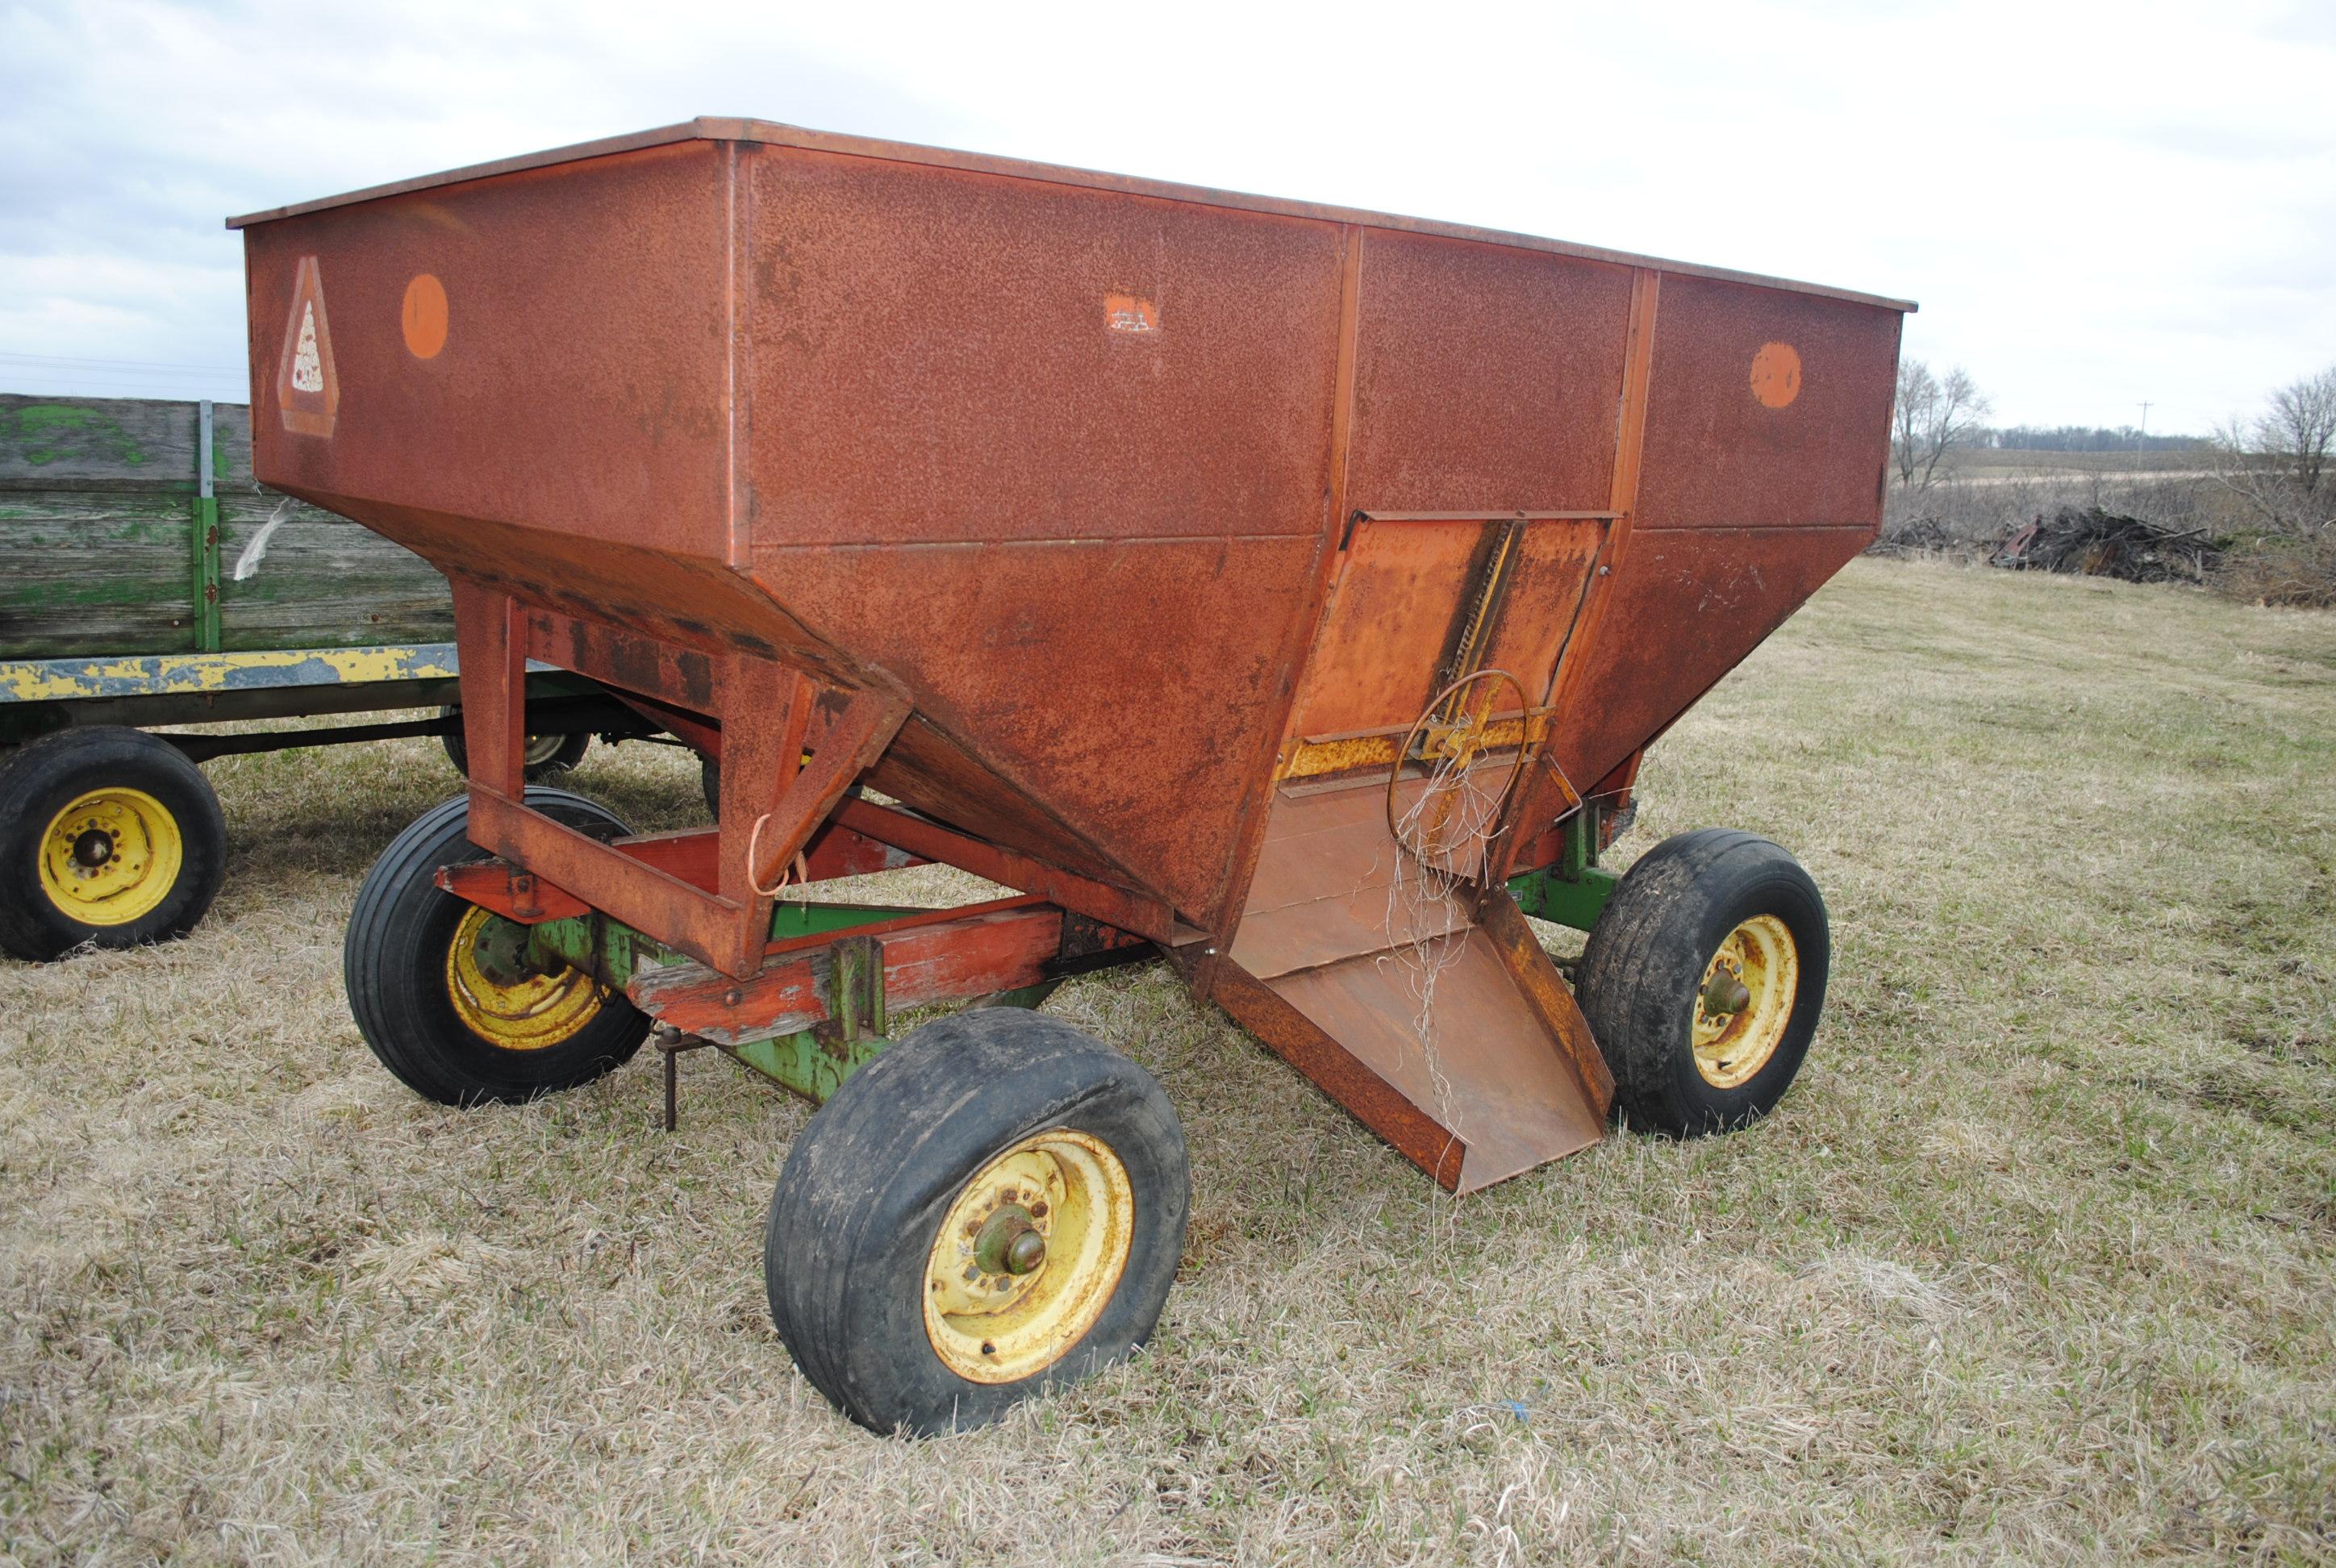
(2141, 442)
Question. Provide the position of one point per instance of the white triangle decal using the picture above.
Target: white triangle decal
(307, 370)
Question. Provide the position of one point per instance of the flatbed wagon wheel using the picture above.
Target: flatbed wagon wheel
(1703, 980)
(445, 991)
(994, 1207)
(108, 836)
(543, 758)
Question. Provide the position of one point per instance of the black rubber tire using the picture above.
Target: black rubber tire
(1646, 959)
(546, 768)
(709, 785)
(868, 1183)
(42, 777)
(393, 961)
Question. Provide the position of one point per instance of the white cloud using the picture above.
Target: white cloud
(2095, 206)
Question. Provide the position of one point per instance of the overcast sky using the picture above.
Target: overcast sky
(2095, 204)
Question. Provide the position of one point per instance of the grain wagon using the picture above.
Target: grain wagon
(1283, 592)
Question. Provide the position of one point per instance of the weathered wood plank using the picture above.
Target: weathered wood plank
(319, 581)
(80, 440)
(97, 551)
(82, 573)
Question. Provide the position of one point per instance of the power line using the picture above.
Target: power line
(77, 363)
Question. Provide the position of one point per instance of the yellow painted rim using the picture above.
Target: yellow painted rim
(533, 1014)
(1730, 1049)
(997, 1327)
(110, 857)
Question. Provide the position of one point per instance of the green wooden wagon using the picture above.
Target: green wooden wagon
(147, 580)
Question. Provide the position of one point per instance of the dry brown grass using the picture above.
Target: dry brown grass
(2038, 1260)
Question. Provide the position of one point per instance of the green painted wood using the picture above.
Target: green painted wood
(56, 442)
(204, 585)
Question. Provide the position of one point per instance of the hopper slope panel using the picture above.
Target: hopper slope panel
(1487, 377)
(1766, 408)
(576, 381)
(943, 355)
(1123, 689)
(686, 600)
(1688, 606)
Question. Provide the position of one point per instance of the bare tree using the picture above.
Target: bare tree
(1933, 413)
(2300, 426)
(2276, 461)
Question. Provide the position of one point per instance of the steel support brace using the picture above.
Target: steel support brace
(1573, 891)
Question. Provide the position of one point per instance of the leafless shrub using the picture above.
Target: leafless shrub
(2274, 468)
(2274, 569)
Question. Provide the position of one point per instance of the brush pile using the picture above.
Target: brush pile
(2097, 544)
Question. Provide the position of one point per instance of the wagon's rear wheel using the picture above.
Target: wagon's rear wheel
(1703, 980)
(445, 992)
(108, 836)
(544, 758)
(993, 1207)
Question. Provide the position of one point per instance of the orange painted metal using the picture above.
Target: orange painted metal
(1060, 507)
(692, 855)
(942, 955)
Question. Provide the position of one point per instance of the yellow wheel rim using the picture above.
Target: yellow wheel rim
(110, 857)
(522, 1012)
(990, 1323)
(1732, 1045)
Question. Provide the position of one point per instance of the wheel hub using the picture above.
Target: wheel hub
(110, 856)
(1011, 1241)
(507, 999)
(1028, 1256)
(1744, 1003)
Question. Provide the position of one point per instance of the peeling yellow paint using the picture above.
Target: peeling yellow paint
(1339, 754)
(178, 674)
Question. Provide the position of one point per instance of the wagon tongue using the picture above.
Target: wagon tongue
(1448, 1033)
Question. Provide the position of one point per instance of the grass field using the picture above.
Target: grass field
(2039, 1259)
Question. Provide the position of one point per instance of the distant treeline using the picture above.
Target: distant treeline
(2082, 438)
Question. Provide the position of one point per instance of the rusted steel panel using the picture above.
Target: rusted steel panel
(1471, 1027)
(1688, 608)
(1117, 688)
(1487, 377)
(580, 387)
(1076, 365)
(1767, 409)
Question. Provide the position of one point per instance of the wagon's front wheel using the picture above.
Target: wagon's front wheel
(445, 991)
(994, 1207)
(1703, 979)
